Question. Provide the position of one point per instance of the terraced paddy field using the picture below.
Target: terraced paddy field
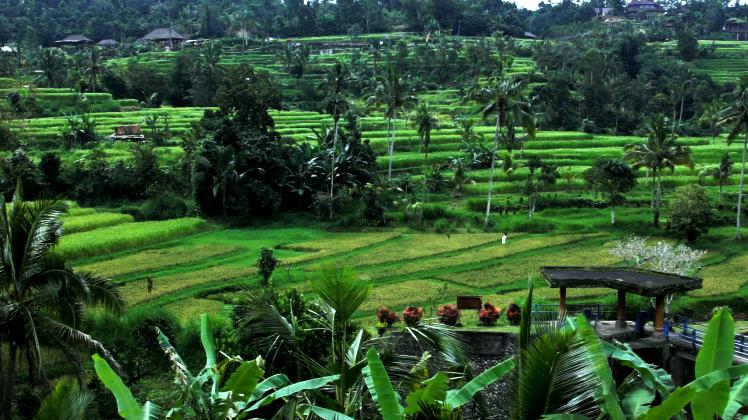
(730, 61)
(198, 267)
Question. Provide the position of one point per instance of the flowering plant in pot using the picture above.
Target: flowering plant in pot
(412, 315)
(489, 314)
(385, 319)
(513, 313)
(448, 315)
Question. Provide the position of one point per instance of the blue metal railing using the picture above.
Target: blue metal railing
(593, 312)
(693, 334)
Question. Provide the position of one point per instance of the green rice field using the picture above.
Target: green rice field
(195, 266)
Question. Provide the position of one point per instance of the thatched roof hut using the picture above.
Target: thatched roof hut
(166, 36)
(107, 43)
(77, 39)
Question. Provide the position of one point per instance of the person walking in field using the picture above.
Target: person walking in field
(504, 238)
(150, 285)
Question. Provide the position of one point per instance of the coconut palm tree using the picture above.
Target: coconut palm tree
(224, 175)
(336, 104)
(424, 121)
(711, 116)
(94, 67)
(67, 401)
(504, 97)
(722, 173)
(52, 66)
(660, 152)
(735, 117)
(391, 92)
(466, 130)
(42, 299)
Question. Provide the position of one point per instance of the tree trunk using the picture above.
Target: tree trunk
(493, 166)
(654, 189)
(612, 215)
(332, 165)
(658, 201)
(721, 187)
(10, 381)
(390, 148)
(739, 233)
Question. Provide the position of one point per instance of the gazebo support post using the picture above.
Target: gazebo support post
(562, 299)
(621, 317)
(659, 314)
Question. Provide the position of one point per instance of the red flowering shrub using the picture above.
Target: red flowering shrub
(412, 315)
(513, 314)
(448, 314)
(386, 316)
(489, 314)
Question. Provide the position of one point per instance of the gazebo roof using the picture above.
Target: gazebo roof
(107, 43)
(640, 282)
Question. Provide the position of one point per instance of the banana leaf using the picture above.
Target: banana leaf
(682, 396)
(737, 399)
(458, 397)
(380, 387)
(127, 406)
(435, 391)
(716, 353)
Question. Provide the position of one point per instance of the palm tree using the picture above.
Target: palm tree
(722, 173)
(94, 67)
(736, 117)
(211, 55)
(392, 93)
(335, 104)
(52, 66)
(660, 152)
(424, 121)
(42, 300)
(67, 401)
(503, 97)
(225, 174)
(466, 130)
(711, 115)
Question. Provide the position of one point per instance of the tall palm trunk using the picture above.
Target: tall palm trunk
(654, 189)
(390, 148)
(493, 166)
(332, 163)
(9, 385)
(739, 233)
(658, 200)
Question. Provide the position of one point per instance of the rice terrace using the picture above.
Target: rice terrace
(370, 209)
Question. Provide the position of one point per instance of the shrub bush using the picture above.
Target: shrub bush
(412, 315)
(489, 314)
(386, 317)
(513, 313)
(448, 315)
(132, 340)
(163, 207)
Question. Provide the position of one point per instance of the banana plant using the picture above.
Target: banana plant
(720, 389)
(432, 399)
(232, 389)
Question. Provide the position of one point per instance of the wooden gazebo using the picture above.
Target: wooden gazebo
(631, 280)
